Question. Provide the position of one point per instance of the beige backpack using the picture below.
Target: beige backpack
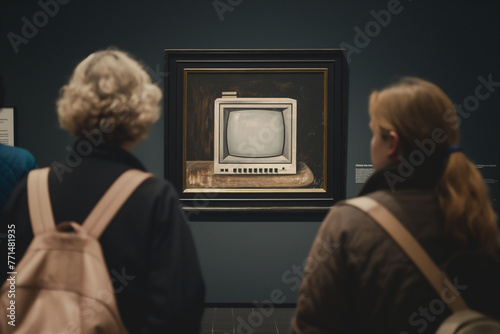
(62, 284)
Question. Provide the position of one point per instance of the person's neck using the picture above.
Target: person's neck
(128, 146)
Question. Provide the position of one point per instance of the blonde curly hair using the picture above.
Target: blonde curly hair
(109, 92)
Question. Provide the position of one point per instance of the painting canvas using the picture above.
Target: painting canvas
(203, 87)
(316, 83)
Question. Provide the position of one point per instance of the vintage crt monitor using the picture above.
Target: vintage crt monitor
(255, 136)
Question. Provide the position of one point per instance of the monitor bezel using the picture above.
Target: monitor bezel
(228, 164)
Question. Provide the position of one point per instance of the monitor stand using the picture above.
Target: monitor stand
(200, 174)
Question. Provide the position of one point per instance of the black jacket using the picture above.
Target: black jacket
(148, 246)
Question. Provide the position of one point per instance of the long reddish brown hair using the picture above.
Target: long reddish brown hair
(415, 109)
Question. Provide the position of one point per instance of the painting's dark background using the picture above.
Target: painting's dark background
(307, 88)
(452, 43)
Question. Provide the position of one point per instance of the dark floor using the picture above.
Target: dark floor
(246, 320)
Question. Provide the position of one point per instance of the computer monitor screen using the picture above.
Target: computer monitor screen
(255, 133)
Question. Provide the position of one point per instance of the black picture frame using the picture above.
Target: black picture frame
(316, 78)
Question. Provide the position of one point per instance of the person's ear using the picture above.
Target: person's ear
(394, 145)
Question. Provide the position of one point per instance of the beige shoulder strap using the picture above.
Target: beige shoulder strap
(436, 277)
(112, 201)
(40, 208)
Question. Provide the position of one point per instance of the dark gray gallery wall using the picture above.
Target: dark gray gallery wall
(453, 43)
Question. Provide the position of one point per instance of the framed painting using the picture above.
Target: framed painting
(256, 129)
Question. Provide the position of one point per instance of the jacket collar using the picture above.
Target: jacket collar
(402, 174)
(110, 152)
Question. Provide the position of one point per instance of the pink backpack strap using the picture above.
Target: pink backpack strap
(40, 208)
(112, 200)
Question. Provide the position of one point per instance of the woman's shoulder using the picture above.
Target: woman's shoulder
(157, 186)
(417, 210)
(347, 221)
(349, 216)
(17, 157)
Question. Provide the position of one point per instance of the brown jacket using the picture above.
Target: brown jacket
(358, 280)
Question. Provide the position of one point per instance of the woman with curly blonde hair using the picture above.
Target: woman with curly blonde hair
(108, 105)
(111, 93)
(357, 279)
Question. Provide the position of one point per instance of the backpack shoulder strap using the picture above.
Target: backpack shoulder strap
(112, 200)
(436, 277)
(40, 208)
